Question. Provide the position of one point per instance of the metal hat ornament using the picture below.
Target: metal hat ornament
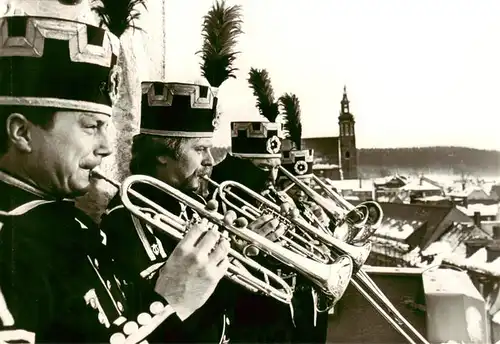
(37, 48)
(189, 109)
(298, 162)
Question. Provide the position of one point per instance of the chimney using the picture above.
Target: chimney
(492, 252)
(473, 245)
(463, 185)
(360, 183)
(465, 202)
(477, 219)
(496, 233)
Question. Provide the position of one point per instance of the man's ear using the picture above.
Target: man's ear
(19, 132)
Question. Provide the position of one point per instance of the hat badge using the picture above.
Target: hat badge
(300, 167)
(216, 120)
(273, 145)
(115, 79)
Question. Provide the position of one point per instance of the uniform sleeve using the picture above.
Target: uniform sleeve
(29, 281)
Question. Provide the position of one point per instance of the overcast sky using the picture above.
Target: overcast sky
(418, 73)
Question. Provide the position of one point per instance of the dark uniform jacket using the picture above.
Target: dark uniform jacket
(259, 318)
(140, 250)
(57, 280)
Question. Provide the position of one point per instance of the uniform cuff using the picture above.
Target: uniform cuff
(134, 332)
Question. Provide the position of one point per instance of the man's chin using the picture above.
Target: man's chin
(79, 189)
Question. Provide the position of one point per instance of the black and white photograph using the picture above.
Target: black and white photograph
(249, 171)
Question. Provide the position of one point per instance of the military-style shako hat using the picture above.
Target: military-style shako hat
(190, 110)
(52, 60)
(259, 139)
(298, 162)
(177, 109)
(256, 139)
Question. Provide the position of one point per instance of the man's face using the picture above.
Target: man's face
(293, 190)
(61, 157)
(195, 160)
(269, 165)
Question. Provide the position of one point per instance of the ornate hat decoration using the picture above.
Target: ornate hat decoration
(259, 139)
(256, 139)
(51, 61)
(190, 110)
(298, 162)
(291, 113)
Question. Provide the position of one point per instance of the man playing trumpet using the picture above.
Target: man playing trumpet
(58, 281)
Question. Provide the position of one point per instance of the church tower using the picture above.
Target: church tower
(347, 141)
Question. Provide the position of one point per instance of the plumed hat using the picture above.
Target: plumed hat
(190, 110)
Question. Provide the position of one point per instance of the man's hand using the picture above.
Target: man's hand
(194, 269)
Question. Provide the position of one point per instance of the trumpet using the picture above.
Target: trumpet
(332, 279)
(362, 221)
(310, 234)
(361, 281)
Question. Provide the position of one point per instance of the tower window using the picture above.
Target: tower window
(347, 155)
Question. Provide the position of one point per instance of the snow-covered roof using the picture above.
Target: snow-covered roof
(484, 209)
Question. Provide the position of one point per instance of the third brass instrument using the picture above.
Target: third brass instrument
(362, 228)
(361, 281)
(331, 279)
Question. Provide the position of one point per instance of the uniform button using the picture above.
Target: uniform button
(117, 338)
(120, 306)
(96, 263)
(102, 318)
(228, 322)
(130, 327)
(93, 303)
(108, 284)
(143, 319)
(156, 307)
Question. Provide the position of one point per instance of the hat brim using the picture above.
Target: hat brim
(66, 104)
(255, 155)
(187, 134)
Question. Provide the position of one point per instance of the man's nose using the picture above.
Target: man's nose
(208, 159)
(104, 145)
(273, 175)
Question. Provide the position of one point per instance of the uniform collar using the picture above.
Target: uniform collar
(16, 182)
(20, 184)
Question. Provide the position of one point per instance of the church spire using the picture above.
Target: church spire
(344, 103)
(344, 106)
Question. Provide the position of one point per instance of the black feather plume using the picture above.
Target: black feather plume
(291, 112)
(118, 15)
(220, 30)
(260, 82)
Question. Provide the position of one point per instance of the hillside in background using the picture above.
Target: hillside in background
(377, 162)
(446, 160)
